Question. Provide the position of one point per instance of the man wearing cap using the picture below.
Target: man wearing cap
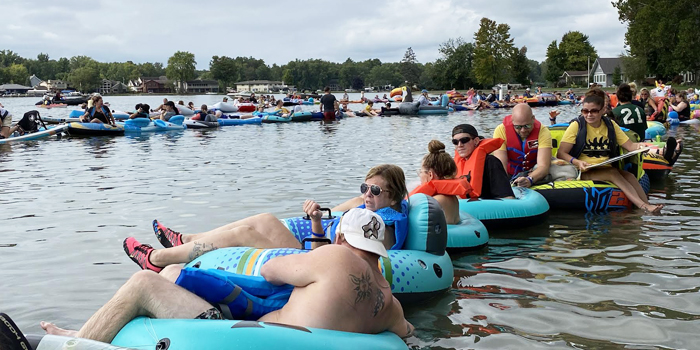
(527, 93)
(337, 287)
(527, 143)
(484, 172)
(423, 99)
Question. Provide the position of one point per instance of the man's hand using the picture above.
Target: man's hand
(312, 209)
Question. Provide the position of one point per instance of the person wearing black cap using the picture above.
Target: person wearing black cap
(484, 172)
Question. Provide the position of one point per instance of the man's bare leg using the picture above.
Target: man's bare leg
(267, 224)
(144, 294)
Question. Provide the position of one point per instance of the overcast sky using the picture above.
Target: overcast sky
(280, 31)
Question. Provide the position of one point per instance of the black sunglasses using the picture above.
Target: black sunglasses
(374, 189)
(463, 140)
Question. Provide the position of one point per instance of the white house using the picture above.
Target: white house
(603, 69)
(260, 85)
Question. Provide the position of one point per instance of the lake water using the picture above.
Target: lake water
(622, 280)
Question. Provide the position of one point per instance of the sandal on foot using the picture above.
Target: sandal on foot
(140, 254)
(167, 237)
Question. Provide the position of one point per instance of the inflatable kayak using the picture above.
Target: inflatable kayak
(42, 133)
(95, 129)
(527, 209)
(61, 105)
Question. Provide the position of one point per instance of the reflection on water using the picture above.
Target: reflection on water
(622, 280)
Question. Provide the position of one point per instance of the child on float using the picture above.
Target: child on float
(595, 146)
(437, 177)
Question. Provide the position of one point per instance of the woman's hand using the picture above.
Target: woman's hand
(581, 165)
(312, 209)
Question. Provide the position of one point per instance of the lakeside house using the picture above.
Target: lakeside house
(201, 86)
(260, 85)
(112, 87)
(574, 77)
(603, 69)
(155, 85)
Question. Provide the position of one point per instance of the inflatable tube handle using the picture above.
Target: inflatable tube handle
(328, 210)
(312, 240)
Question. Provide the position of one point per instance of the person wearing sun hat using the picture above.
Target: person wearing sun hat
(484, 171)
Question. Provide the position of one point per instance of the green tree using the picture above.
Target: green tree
(385, 74)
(520, 66)
(288, 77)
(535, 71)
(224, 69)
(7, 58)
(617, 76)
(555, 63)
(635, 67)
(492, 52)
(181, 68)
(409, 67)
(85, 78)
(663, 33)
(576, 50)
(454, 68)
(17, 73)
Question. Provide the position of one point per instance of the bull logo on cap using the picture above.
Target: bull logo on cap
(372, 228)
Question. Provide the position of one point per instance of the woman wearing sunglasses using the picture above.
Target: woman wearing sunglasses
(592, 139)
(383, 192)
(437, 178)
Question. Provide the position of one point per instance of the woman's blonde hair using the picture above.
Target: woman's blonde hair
(395, 181)
(439, 161)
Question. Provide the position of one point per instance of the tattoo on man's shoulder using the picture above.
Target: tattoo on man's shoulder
(363, 286)
(379, 303)
(199, 249)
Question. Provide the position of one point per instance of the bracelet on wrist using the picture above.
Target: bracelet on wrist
(531, 182)
(318, 235)
(572, 160)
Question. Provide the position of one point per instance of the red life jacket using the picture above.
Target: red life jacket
(522, 155)
(473, 168)
(451, 187)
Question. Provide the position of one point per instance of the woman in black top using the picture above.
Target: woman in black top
(681, 106)
(98, 113)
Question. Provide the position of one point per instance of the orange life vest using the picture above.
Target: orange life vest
(451, 187)
(473, 168)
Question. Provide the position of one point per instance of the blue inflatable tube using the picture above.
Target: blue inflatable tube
(654, 128)
(432, 111)
(95, 129)
(147, 333)
(527, 209)
(76, 113)
(275, 119)
(229, 122)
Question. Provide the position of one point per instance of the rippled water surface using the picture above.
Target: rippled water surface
(622, 280)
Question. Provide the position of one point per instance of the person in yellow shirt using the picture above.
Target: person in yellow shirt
(589, 140)
(369, 111)
(527, 143)
(283, 112)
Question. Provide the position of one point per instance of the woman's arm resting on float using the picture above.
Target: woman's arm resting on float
(563, 153)
(349, 204)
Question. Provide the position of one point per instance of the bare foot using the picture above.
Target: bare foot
(653, 209)
(51, 328)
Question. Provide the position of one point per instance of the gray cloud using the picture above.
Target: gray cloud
(280, 31)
